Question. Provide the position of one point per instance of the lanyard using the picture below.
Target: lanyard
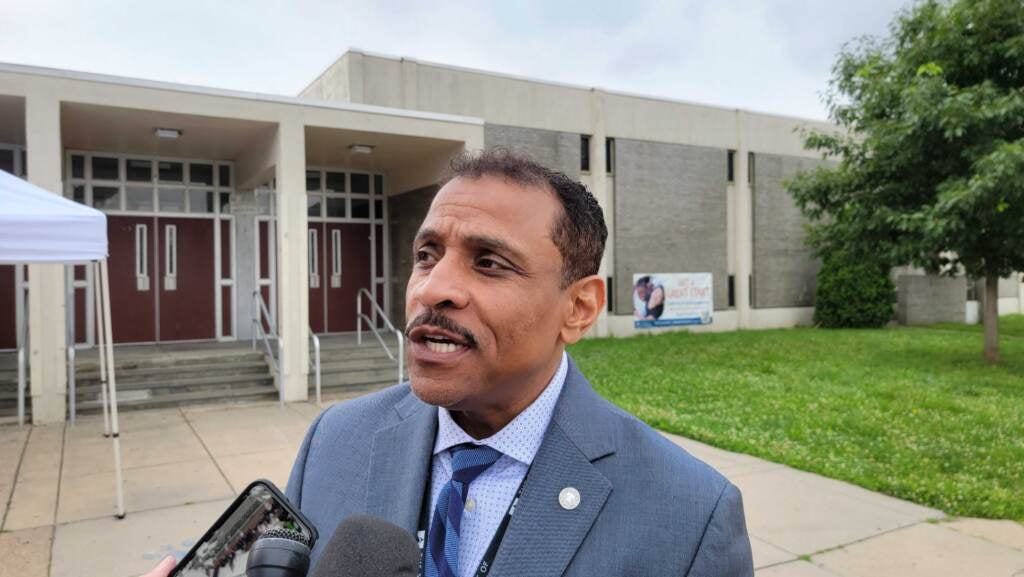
(492, 549)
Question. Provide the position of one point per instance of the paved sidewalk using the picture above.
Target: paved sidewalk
(182, 467)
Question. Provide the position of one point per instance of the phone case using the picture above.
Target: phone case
(278, 497)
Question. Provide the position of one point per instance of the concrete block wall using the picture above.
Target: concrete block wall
(406, 212)
(1009, 287)
(671, 215)
(927, 299)
(553, 149)
(784, 269)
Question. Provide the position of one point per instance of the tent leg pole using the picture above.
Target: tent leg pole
(100, 348)
(22, 344)
(69, 338)
(115, 433)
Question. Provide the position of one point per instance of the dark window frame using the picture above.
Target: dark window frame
(609, 155)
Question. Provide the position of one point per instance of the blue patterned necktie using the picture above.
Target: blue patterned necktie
(468, 463)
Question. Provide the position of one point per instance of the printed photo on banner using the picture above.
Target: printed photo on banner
(671, 299)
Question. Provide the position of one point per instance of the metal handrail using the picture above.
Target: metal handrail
(72, 383)
(315, 361)
(259, 313)
(360, 317)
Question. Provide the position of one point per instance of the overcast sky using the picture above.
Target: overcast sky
(764, 55)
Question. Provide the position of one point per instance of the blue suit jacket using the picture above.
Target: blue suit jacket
(647, 507)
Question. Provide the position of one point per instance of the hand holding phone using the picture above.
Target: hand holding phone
(224, 549)
(163, 569)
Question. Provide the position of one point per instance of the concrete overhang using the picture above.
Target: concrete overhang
(57, 77)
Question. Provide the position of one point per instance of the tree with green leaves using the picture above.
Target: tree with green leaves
(930, 149)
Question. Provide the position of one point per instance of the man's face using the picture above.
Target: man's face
(485, 265)
(641, 291)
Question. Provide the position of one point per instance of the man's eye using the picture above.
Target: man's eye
(423, 256)
(489, 263)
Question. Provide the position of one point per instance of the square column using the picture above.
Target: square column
(743, 229)
(599, 188)
(46, 299)
(292, 260)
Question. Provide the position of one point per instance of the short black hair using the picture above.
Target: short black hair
(579, 234)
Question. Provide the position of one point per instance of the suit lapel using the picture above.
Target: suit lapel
(543, 536)
(399, 464)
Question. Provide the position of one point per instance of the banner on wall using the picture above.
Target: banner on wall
(672, 299)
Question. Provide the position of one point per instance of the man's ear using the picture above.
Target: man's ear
(586, 301)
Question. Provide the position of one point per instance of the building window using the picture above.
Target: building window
(145, 185)
(730, 171)
(750, 167)
(585, 153)
(609, 155)
(732, 278)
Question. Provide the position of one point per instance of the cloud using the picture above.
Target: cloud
(767, 55)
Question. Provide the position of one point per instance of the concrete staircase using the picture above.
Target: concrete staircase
(347, 367)
(173, 375)
(9, 389)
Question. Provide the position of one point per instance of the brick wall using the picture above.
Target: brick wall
(784, 269)
(670, 215)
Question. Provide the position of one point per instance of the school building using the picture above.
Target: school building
(243, 218)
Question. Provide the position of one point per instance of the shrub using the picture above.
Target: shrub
(853, 292)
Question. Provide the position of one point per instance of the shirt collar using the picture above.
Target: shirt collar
(521, 438)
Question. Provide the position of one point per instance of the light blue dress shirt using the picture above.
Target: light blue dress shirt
(491, 493)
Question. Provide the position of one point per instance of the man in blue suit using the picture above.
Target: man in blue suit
(498, 453)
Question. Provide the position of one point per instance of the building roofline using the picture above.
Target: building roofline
(13, 68)
(560, 84)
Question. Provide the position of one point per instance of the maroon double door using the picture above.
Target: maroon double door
(162, 275)
(8, 310)
(339, 267)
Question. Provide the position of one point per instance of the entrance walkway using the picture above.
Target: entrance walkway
(184, 465)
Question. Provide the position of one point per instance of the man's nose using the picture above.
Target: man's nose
(444, 286)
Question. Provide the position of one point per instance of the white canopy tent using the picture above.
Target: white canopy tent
(37, 226)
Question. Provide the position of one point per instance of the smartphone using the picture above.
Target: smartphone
(224, 549)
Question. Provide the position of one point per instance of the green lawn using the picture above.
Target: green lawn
(911, 412)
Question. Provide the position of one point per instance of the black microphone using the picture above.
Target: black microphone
(278, 553)
(364, 546)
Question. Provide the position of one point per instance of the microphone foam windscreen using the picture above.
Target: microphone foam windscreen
(364, 546)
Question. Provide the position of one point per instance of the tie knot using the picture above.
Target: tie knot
(470, 461)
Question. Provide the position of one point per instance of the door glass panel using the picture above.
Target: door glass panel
(378, 206)
(313, 204)
(172, 200)
(200, 201)
(171, 171)
(225, 202)
(77, 166)
(336, 207)
(200, 173)
(108, 197)
(335, 182)
(139, 198)
(78, 193)
(7, 160)
(378, 184)
(105, 168)
(139, 170)
(360, 207)
(225, 175)
(313, 180)
(361, 183)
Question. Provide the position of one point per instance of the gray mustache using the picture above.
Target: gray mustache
(432, 318)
